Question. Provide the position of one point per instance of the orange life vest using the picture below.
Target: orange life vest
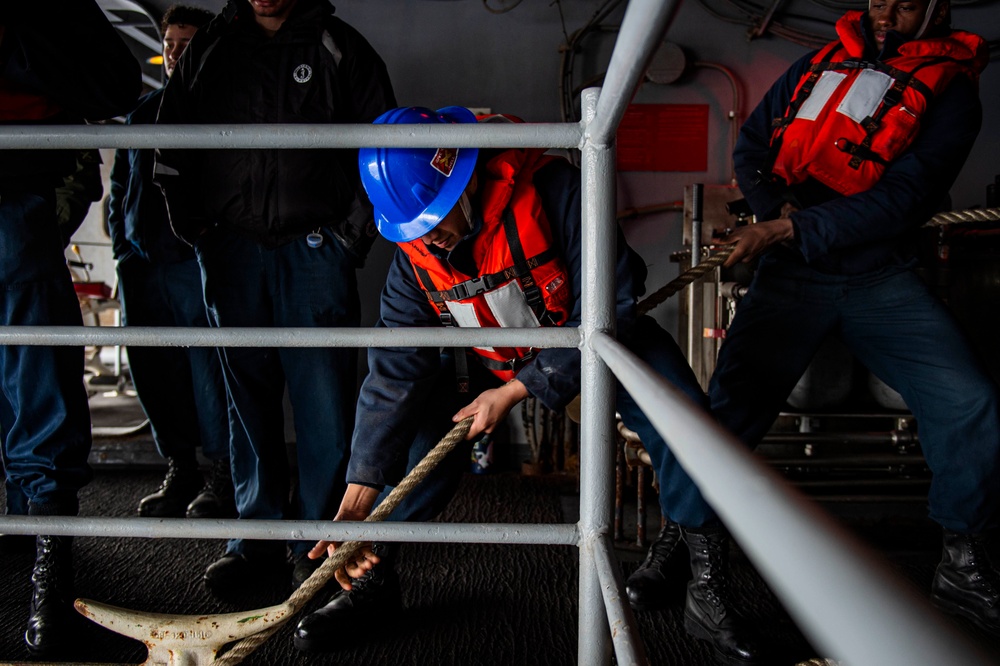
(851, 117)
(522, 280)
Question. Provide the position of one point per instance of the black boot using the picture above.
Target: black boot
(303, 568)
(235, 574)
(708, 612)
(216, 497)
(966, 583)
(180, 485)
(375, 595)
(51, 620)
(648, 586)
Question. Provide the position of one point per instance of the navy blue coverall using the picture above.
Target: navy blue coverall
(279, 235)
(410, 394)
(181, 389)
(44, 414)
(848, 273)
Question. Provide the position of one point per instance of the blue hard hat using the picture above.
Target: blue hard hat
(413, 189)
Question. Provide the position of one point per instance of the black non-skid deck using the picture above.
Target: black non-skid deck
(463, 603)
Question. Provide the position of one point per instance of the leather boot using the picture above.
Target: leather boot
(376, 595)
(216, 498)
(708, 613)
(235, 574)
(180, 485)
(303, 568)
(51, 618)
(647, 588)
(965, 582)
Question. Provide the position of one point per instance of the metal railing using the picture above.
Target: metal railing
(840, 593)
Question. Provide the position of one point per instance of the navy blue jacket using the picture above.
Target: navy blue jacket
(398, 383)
(852, 235)
(137, 218)
(316, 69)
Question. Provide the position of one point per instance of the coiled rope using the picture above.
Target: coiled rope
(348, 549)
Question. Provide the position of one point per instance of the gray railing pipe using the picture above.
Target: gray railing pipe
(642, 29)
(629, 650)
(151, 336)
(290, 530)
(487, 135)
(840, 593)
(598, 392)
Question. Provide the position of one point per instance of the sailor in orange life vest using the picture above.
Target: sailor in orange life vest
(490, 238)
(852, 150)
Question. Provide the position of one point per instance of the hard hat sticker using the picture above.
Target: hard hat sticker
(444, 161)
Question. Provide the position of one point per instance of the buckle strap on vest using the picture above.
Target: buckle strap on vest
(513, 365)
(858, 153)
(482, 284)
(427, 283)
(532, 294)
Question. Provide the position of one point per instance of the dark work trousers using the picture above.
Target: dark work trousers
(44, 413)
(899, 331)
(680, 499)
(294, 285)
(180, 388)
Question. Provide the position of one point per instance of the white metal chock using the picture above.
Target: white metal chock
(181, 640)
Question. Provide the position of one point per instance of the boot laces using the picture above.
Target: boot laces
(662, 548)
(43, 577)
(46, 574)
(174, 471)
(367, 589)
(715, 582)
(983, 572)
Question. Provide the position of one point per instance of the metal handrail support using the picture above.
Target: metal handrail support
(629, 649)
(597, 394)
(643, 27)
(839, 591)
